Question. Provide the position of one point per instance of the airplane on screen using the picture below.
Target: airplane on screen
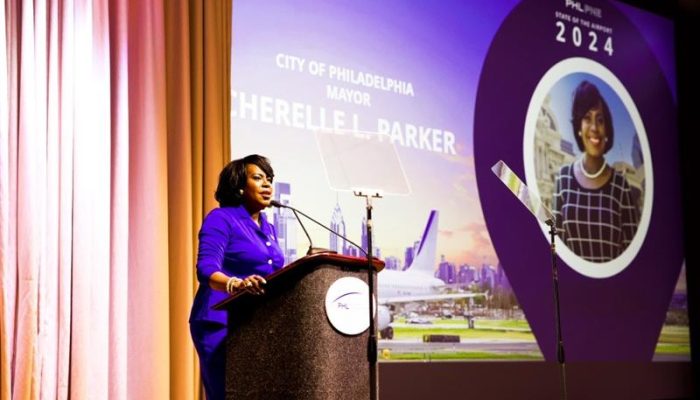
(417, 283)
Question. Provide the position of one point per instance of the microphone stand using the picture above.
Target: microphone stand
(312, 249)
(372, 337)
(520, 190)
(557, 321)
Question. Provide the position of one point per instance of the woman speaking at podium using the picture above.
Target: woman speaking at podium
(237, 248)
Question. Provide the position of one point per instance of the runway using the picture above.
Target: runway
(465, 345)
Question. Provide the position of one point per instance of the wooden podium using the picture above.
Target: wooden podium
(281, 345)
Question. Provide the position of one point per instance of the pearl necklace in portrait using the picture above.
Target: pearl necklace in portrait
(593, 175)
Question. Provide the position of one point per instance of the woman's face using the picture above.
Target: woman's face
(257, 192)
(593, 132)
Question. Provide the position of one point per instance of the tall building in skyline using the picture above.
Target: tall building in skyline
(376, 251)
(488, 276)
(636, 152)
(410, 254)
(352, 251)
(336, 243)
(466, 274)
(364, 243)
(408, 257)
(392, 263)
(285, 222)
(447, 271)
(502, 279)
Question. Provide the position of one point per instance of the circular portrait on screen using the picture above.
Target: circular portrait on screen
(588, 161)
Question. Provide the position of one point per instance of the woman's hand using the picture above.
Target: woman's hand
(231, 284)
(253, 284)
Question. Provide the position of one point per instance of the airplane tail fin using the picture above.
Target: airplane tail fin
(424, 260)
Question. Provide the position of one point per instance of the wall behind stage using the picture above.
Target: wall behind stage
(455, 88)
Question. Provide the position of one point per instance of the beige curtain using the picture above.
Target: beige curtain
(198, 52)
(114, 124)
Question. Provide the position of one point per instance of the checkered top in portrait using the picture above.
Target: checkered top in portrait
(596, 224)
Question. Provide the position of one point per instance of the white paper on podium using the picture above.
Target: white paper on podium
(362, 161)
(521, 191)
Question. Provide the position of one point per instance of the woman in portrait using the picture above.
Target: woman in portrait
(237, 249)
(592, 202)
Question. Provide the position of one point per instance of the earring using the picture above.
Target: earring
(240, 191)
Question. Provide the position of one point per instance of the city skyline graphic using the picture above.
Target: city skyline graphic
(294, 243)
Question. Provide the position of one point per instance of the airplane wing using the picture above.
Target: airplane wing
(428, 297)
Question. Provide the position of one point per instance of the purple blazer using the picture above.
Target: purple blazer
(231, 242)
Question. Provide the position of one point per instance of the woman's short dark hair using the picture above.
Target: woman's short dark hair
(233, 178)
(587, 97)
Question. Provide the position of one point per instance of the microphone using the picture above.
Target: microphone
(314, 250)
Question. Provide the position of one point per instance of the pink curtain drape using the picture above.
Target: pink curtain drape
(87, 176)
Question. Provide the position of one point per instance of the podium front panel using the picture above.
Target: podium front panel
(282, 346)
